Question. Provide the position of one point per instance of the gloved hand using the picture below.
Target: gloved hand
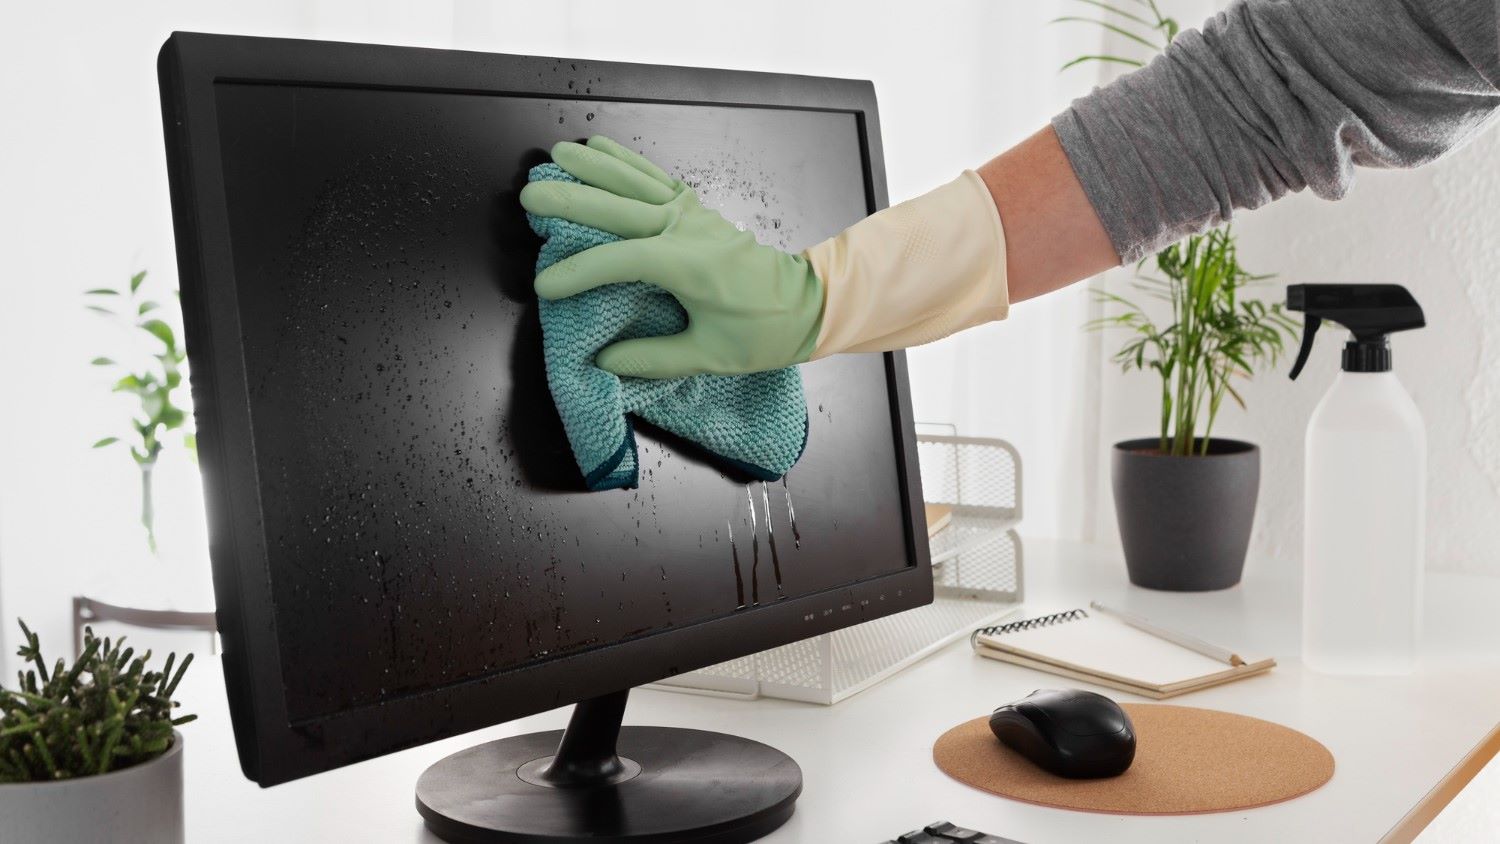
(907, 275)
(750, 307)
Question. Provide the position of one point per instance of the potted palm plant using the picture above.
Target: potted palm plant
(146, 367)
(151, 385)
(91, 753)
(1185, 500)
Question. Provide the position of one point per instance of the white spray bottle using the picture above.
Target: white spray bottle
(1365, 489)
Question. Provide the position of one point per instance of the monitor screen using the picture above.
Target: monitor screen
(404, 547)
(425, 521)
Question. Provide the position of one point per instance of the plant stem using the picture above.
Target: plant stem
(148, 509)
(1166, 413)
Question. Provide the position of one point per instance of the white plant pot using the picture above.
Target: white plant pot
(137, 805)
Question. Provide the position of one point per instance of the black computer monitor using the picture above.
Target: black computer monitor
(402, 545)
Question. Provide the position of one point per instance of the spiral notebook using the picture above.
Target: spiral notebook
(1099, 648)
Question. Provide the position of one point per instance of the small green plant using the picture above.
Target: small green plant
(152, 386)
(109, 711)
(1216, 334)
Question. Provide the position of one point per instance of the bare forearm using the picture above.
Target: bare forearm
(1052, 235)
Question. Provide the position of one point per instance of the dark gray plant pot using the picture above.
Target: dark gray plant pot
(1185, 521)
(141, 804)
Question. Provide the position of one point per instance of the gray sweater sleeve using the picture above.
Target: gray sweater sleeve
(1273, 96)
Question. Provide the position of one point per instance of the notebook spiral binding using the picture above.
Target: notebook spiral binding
(1027, 624)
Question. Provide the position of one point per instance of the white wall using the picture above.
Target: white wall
(83, 203)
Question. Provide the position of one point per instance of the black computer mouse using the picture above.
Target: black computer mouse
(1070, 732)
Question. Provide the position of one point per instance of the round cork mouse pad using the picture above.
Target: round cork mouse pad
(1187, 761)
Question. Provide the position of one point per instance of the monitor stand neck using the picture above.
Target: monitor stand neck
(586, 755)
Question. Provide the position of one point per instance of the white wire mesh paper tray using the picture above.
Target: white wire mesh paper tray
(977, 564)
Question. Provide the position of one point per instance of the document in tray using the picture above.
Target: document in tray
(1102, 649)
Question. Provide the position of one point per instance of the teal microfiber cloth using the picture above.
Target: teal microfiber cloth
(756, 423)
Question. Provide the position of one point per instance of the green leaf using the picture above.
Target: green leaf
(99, 309)
(101, 291)
(1234, 394)
(135, 280)
(127, 384)
(102, 362)
(106, 441)
(146, 307)
(161, 331)
(1112, 59)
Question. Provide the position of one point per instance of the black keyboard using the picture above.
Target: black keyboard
(943, 832)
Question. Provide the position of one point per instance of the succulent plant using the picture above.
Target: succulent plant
(108, 711)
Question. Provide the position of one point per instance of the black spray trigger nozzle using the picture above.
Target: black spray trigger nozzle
(1310, 326)
(1371, 312)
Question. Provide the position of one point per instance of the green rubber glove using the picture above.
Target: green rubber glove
(750, 307)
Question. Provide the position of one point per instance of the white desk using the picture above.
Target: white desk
(867, 761)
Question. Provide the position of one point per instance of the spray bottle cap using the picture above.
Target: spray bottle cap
(1369, 311)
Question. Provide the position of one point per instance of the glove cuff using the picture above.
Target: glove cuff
(913, 273)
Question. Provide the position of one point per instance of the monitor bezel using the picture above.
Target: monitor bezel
(272, 749)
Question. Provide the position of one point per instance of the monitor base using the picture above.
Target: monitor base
(665, 786)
